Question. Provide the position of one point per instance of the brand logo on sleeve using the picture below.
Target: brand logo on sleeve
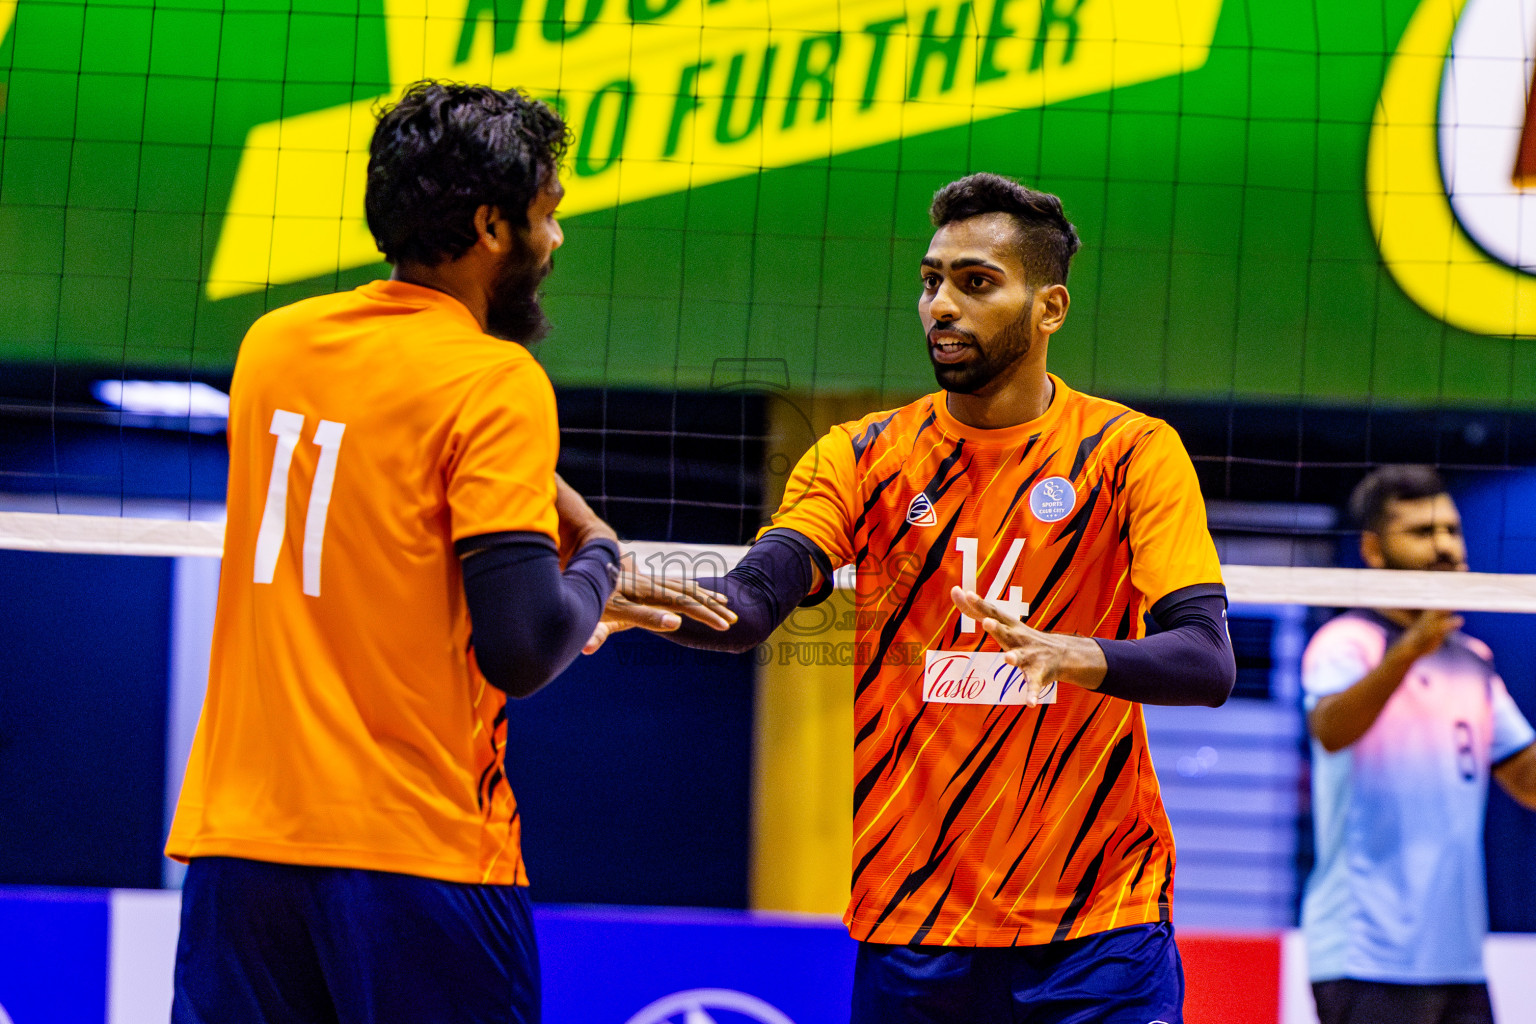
(1052, 499)
(920, 512)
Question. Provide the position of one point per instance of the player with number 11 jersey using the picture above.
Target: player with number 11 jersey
(351, 477)
(400, 559)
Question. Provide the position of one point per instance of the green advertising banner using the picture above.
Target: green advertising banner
(1278, 201)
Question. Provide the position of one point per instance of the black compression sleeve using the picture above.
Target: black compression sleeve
(771, 580)
(530, 620)
(1190, 662)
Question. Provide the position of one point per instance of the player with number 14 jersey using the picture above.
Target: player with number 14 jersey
(1010, 537)
(979, 820)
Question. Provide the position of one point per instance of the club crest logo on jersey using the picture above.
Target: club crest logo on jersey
(920, 512)
(1052, 499)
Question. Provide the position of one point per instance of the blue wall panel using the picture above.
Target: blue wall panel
(85, 641)
(633, 776)
(1499, 517)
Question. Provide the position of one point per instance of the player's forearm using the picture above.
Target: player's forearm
(529, 618)
(768, 584)
(1340, 719)
(1190, 663)
(1517, 776)
(756, 618)
(1080, 660)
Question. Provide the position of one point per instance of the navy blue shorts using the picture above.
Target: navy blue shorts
(1126, 976)
(283, 944)
(1348, 1001)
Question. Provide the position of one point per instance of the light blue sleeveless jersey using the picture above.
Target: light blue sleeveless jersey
(1398, 893)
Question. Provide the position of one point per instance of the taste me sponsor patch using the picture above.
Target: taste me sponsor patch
(975, 677)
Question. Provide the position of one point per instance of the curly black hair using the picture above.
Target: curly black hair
(444, 150)
(1386, 484)
(1047, 240)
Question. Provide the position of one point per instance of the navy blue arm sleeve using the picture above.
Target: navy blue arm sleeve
(772, 579)
(1191, 662)
(530, 620)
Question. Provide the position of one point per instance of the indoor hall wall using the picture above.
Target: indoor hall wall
(1499, 519)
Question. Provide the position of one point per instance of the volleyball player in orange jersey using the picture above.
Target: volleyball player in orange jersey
(1011, 856)
(392, 573)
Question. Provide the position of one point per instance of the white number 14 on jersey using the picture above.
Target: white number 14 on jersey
(1014, 604)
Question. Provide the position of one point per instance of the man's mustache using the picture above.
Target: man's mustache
(950, 329)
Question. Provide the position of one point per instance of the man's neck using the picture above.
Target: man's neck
(1012, 399)
(446, 278)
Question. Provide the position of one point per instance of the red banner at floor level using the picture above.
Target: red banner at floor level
(1231, 979)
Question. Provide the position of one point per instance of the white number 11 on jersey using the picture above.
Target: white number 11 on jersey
(274, 518)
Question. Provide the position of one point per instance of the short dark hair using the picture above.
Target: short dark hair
(1047, 240)
(1368, 503)
(446, 149)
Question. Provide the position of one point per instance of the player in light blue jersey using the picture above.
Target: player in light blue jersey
(1408, 720)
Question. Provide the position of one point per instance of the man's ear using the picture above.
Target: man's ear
(1370, 549)
(492, 229)
(1054, 301)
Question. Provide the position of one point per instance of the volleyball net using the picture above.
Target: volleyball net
(1302, 240)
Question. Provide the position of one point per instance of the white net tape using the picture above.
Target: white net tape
(1246, 584)
(109, 535)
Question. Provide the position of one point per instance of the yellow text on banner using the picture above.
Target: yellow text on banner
(666, 95)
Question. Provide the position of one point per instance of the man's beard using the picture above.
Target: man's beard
(1010, 345)
(514, 313)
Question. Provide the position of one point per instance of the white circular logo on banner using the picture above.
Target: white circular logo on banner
(1451, 165)
(694, 1006)
(1487, 140)
(5, 1018)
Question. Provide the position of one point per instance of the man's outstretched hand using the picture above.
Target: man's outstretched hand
(1043, 658)
(647, 601)
(1428, 631)
(640, 599)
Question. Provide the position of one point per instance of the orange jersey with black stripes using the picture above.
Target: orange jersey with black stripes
(979, 821)
(346, 724)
